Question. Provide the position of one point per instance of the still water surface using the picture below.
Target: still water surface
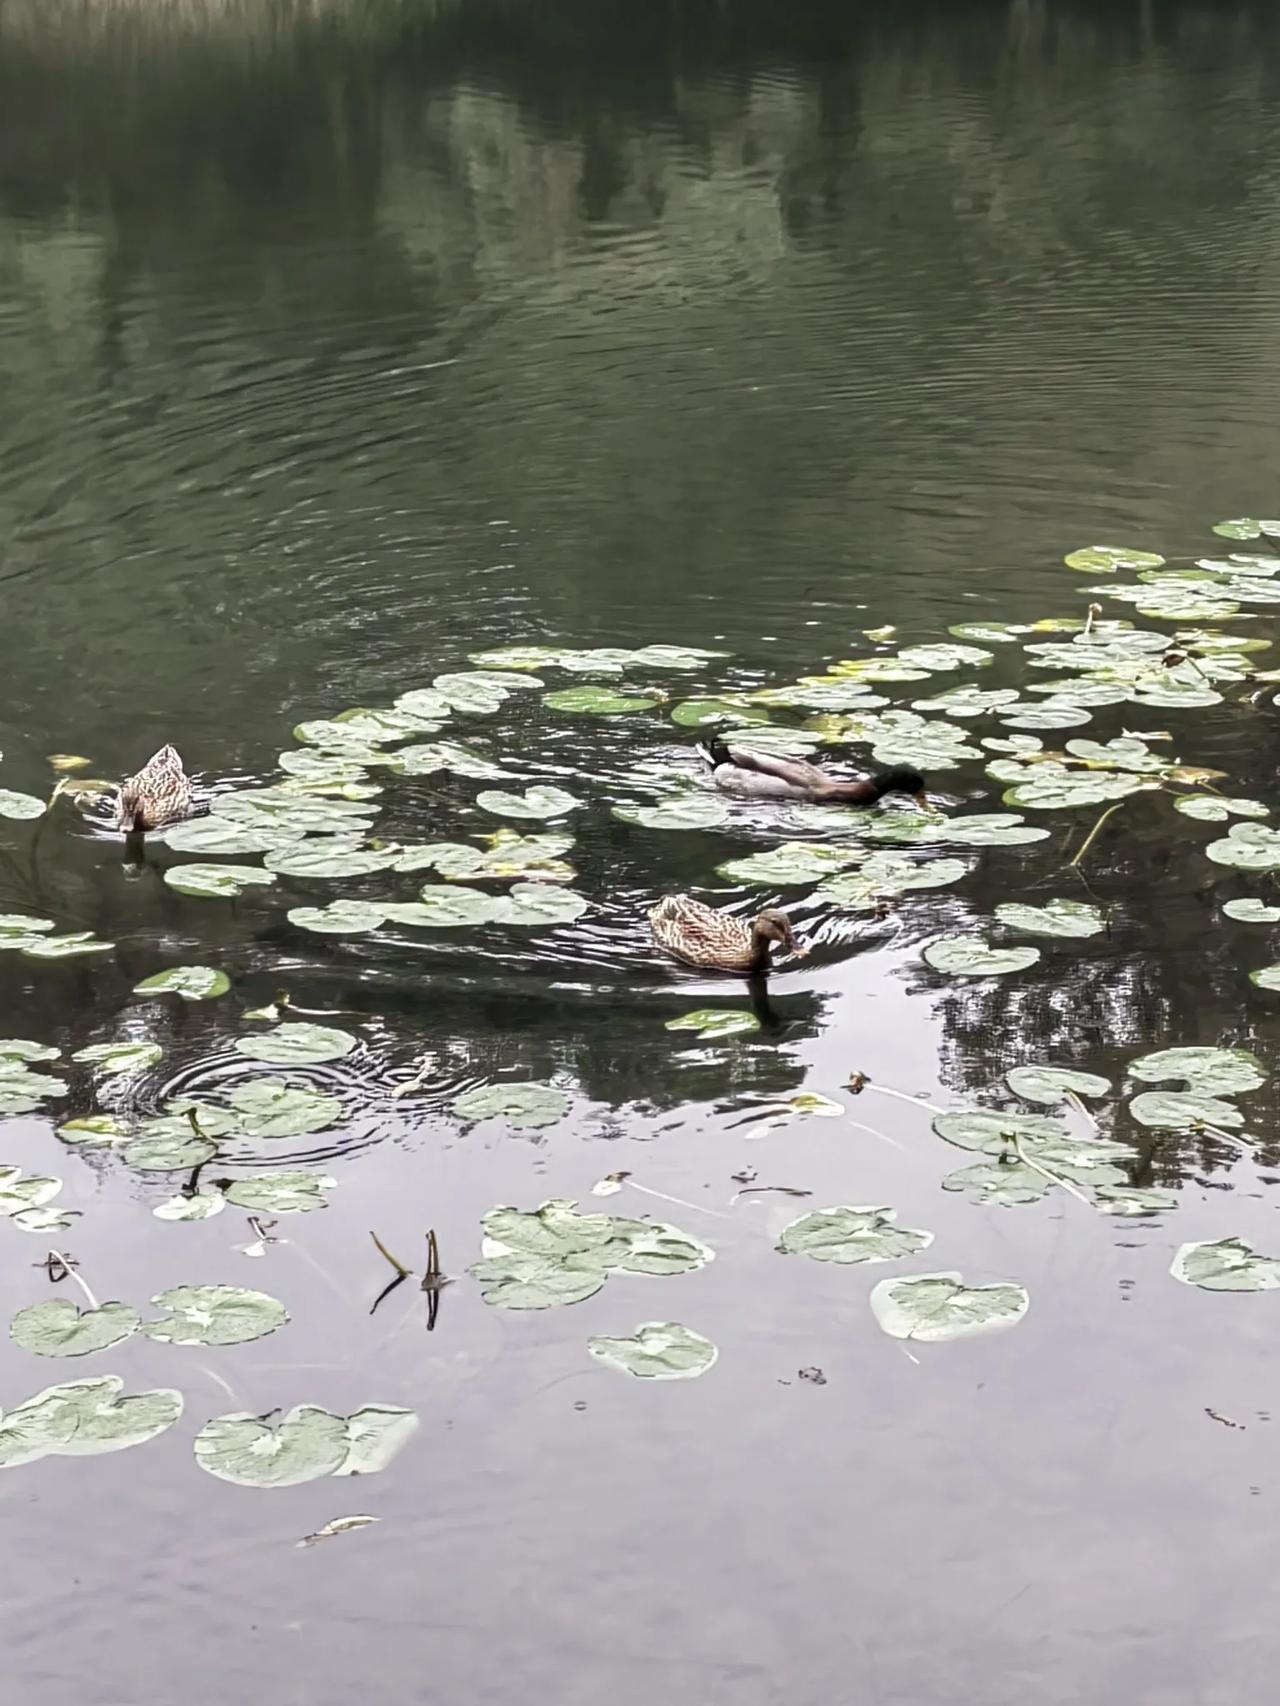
(338, 342)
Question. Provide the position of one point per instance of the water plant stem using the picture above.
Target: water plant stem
(71, 1274)
(395, 1261)
(1093, 835)
(1048, 1173)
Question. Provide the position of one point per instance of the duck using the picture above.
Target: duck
(763, 776)
(160, 793)
(701, 936)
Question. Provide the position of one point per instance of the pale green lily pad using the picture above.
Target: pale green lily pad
(1267, 978)
(596, 702)
(89, 1418)
(537, 802)
(57, 1328)
(114, 1058)
(1050, 1085)
(521, 1280)
(441, 906)
(1214, 808)
(19, 1048)
(169, 1151)
(223, 835)
(304, 1445)
(968, 701)
(988, 633)
(1130, 1201)
(476, 693)
(1052, 714)
(657, 1350)
(1251, 911)
(281, 1193)
(1249, 847)
(1245, 527)
(44, 1219)
(713, 1023)
(340, 917)
(19, 1192)
(1218, 1071)
(425, 705)
(525, 1106)
(95, 1132)
(986, 829)
(929, 1308)
(972, 956)
(848, 1234)
(681, 811)
(1225, 1264)
(430, 757)
(270, 1107)
(20, 805)
(201, 1205)
(794, 862)
(19, 931)
(993, 1131)
(66, 947)
(1183, 1110)
(508, 858)
(1106, 559)
(1051, 787)
(214, 1315)
(315, 859)
(298, 1045)
(1007, 1183)
(216, 882)
(192, 983)
(532, 906)
(885, 877)
(1074, 918)
(307, 816)
(654, 1248)
(1122, 753)
(309, 766)
(376, 1435)
(713, 713)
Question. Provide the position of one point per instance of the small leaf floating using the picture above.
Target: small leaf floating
(930, 1308)
(846, 1235)
(657, 1350)
(57, 1328)
(192, 983)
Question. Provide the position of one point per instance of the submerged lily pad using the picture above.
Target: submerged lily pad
(972, 956)
(293, 1044)
(217, 882)
(376, 1434)
(713, 1023)
(281, 1193)
(1055, 918)
(848, 1234)
(525, 1106)
(214, 1315)
(192, 983)
(1130, 1200)
(1251, 911)
(1217, 1071)
(537, 802)
(1225, 1264)
(304, 1445)
(57, 1328)
(657, 1350)
(1050, 1084)
(929, 1308)
(114, 1058)
(596, 702)
(681, 811)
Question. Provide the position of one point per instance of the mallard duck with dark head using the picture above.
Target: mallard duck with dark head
(160, 793)
(701, 936)
(752, 775)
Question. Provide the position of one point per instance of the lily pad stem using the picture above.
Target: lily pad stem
(395, 1261)
(1047, 1173)
(71, 1273)
(1093, 835)
(648, 1191)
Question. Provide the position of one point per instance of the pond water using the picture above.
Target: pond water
(342, 342)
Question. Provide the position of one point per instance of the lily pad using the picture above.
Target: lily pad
(1266, 978)
(1050, 1084)
(340, 917)
(537, 802)
(1217, 1071)
(192, 983)
(430, 757)
(532, 906)
(793, 863)
(1007, 1183)
(993, 1131)
(19, 1048)
(526, 1106)
(65, 947)
(657, 1350)
(304, 1445)
(57, 1328)
(224, 835)
(214, 1315)
(1251, 911)
(20, 805)
(1243, 527)
(1106, 559)
(441, 906)
(94, 1132)
(114, 1058)
(988, 829)
(87, 1418)
(1214, 808)
(714, 713)
(596, 702)
(315, 859)
(520, 1280)
(681, 811)
(884, 877)
(281, 1193)
(1183, 1110)
(1225, 1264)
(216, 882)
(1130, 1200)
(298, 1045)
(1249, 847)
(848, 1235)
(19, 931)
(169, 1152)
(202, 1205)
(1073, 918)
(929, 1308)
(1054, 788)
(972, 956)
(376, 1435)
(712, 1023)
(19, 1192)
(270, 1107)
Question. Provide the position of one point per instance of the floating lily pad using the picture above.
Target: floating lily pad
(929, 1308)
(85, 1418)
(1214, 808)
(1249, 847)
(1125, 752)
(1244, 527)
(993, 1131)
(298, 1045)
(270, 1107)
(169, 1151)
(595, 702)
(57, 1328)
(19, 1048)
(1054, 788)
(214, 1315)
(681, 811)
(521, 1280)
(972, 956)
(225, 836)
(712, 1023)
(340, 917)
(432, 756)
(848, 1235)
(1007, 1183)
(18, 1193)
(376, 1434)
(201, 1205)
(216, 882)
(1130, 1201)
(509, 858)
(713, 713)
(97, 1131)
(1225, 1264)
(968, 701)
(1052, 714)
(304, 1445)
(20, 805)
(315, 859)
(1055, 918)
(794, 862)
(987, 633)
(986, 829)
(537, 802)
(525, 1106)
(884, 877)
(65, 947)
(532, 906)
(1051, 1084)
(281, 1193)
(1251, 911)
(1106, 559)
(657, 1350)
(1267, 978)
(19, 931)
(441, 906)
(1219, 1071)
(1183, 1110)
(114, 1058)
(192, 983)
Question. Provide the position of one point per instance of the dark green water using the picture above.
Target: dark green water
(338, 342)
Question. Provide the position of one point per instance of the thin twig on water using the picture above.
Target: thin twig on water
(395, 1261)
(1093, 834)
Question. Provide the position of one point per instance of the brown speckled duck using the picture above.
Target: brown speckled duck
(701, 936)
(160, 793)
(752, 775)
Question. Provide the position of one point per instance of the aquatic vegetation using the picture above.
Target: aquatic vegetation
(303, 1445)
(1074, 918)
(846, 1235)
(556, 1255)
(1050, 1085)
(534, 802)
(85, 1418)
(192, 983)
(112, 1059)
(527, 1107)
(293, 1043)
(930, 1308)
(657, 1350)
(1225, 1264)
(57, 1328)
(710, 1024)
(214, 1315)
(973, 956)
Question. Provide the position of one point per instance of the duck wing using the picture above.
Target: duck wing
(798, 771)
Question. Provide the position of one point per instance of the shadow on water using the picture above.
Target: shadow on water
(342, 340)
